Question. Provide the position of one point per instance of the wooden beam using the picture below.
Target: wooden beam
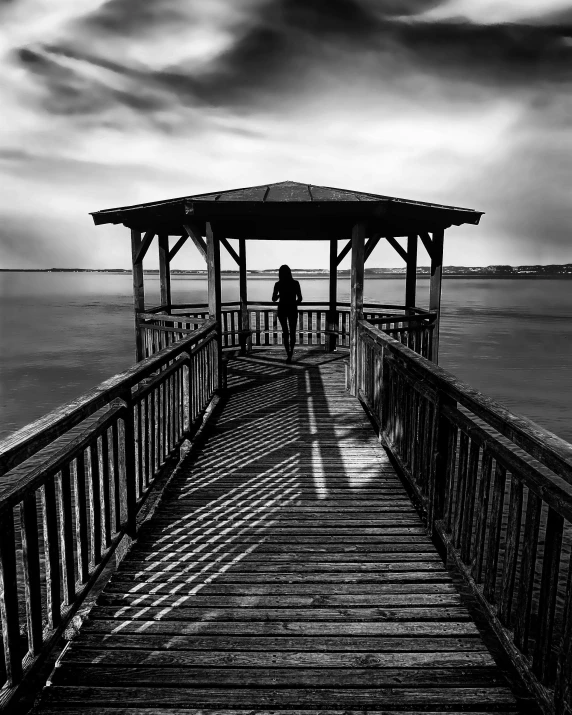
(345, 250)
(435, 290)
(144, 247)
(231, 250)
(214, 294)
(426, 239)
(245, 340)
(411, 276)
(356, 300)
(164, 269)
(196, 238)
(138, 292)
(177, 247)
(397, 246)
(332, 321)
(370, 245)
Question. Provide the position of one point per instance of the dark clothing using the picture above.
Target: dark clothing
(288, 294)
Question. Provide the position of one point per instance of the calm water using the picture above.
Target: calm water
(61, 334)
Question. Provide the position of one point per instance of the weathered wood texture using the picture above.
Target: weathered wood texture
(496, 489)
(86, 492)
(285, 569)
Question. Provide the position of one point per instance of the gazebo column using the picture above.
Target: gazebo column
(435, 289)
(214, 294)
(138, 290)
(245, 340)
(411, 275)
(356, 305)
(165, 271)
(332, 322)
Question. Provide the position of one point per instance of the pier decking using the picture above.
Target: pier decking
(285, 569)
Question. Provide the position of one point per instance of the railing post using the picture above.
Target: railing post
(245, 340)
(439, 461)
(138, 292)
(356, 309)
(214, 292)
(332, 320)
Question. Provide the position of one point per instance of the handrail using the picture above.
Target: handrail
(61, 523)
(496, 489)
(259, 325)
(17, 447)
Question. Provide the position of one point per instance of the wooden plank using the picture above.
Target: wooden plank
(177, 247)
(233, 254)
(144, 247)
(195, 236)
(371, 699)
(394, 244)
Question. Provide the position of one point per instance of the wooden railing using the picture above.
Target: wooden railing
(496, 490)
(61, 522)
(164, 324)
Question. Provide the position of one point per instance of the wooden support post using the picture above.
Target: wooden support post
(214, 293)
(164, 270)
(356, 305)
(245, 340)
(138, 292)
(411, 277)
(332, 322)
(435, 289)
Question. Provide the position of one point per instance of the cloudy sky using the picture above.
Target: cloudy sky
(463, 102)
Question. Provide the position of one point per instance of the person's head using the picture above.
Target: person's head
(284, 273)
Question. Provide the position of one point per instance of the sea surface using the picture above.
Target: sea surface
(63, 333)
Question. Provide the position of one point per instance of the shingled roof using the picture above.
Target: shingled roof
(261, 211)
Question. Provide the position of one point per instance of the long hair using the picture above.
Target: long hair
(285, 274)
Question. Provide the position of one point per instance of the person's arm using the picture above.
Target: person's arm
(298, 293)
(276, 293)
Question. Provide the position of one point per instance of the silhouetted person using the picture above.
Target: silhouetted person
(287, 293)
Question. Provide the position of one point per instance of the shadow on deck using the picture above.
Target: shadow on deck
(285, 569)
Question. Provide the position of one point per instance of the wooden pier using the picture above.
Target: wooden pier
(286, 536)
(285, 568)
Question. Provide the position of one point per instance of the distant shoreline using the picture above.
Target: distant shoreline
(229, 275)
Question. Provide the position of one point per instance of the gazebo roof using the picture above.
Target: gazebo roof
(289, 209)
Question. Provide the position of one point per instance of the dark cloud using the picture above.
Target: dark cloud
(284, 48)
(128, 17)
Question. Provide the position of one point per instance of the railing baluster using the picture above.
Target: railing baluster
(467, 529)
(66, 534)
(491, 562)
(460, 487)
(116, 477)
(81, 519)
(9, 599)
(527, 571)
(105, 489)
(511, 552)
(52, 553)
(482, 514)
(31, 564)
(95, 503)
(542, 662)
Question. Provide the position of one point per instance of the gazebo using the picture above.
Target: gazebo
(288, 210)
